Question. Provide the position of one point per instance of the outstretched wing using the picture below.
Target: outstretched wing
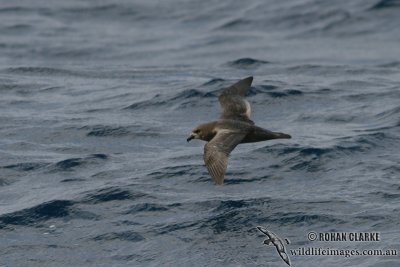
(216, 153)
(284, 256)
(234, 105)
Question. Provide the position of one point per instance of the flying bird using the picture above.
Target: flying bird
(233, 127)
(274, 240)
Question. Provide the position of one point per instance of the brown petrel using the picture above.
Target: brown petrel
(233, 127)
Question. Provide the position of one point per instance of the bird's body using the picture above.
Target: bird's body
(252, 132)
(232, 128)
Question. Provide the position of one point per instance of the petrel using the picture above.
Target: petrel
(274, 240)
(233, 127)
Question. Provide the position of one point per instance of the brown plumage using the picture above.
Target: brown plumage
(233, 127)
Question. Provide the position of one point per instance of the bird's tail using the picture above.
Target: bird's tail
(281, 136)
(260, 134)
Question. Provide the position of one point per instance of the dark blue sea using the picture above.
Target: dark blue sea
(97, 99)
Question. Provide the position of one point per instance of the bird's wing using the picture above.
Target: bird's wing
(266, 232)
(285, 258)
(216, 152)
(234, 105)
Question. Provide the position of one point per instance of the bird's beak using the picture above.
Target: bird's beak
(190, 137)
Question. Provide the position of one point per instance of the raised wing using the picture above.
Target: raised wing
(216, 153)
(234, 105)
(265, 231)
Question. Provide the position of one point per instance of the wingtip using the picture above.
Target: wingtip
(284, 136)
(249, 79)
(262, 229)
(219, 182)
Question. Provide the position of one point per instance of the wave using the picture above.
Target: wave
(45, 211)
(236, 214)
(16, 29)
(315, 159)
(72, 163)
(108, 131)
(284, 93)
(130, 236)
(331, 118)
(80, 13)
(386, 195)
(104, 11)
(389, 113)
(119, 131)
(190, 93)
(188, 96)
(172, 227)
(314, 69)
(392, 64)
(5, 182)
(45, 71)
(386, 4)
(234, 24)
(111, 194)
(15, 9)
(150, 207)
(26, 166)
(215, 81)
(197, 97)
(235, 180)
(63, 72)
(247, 63)
(174, 171)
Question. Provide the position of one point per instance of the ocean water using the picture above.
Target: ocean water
(97, 99)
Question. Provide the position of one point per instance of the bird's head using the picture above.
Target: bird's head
(197, 133)
(203, 132)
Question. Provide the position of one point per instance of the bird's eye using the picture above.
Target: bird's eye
(196, 131)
